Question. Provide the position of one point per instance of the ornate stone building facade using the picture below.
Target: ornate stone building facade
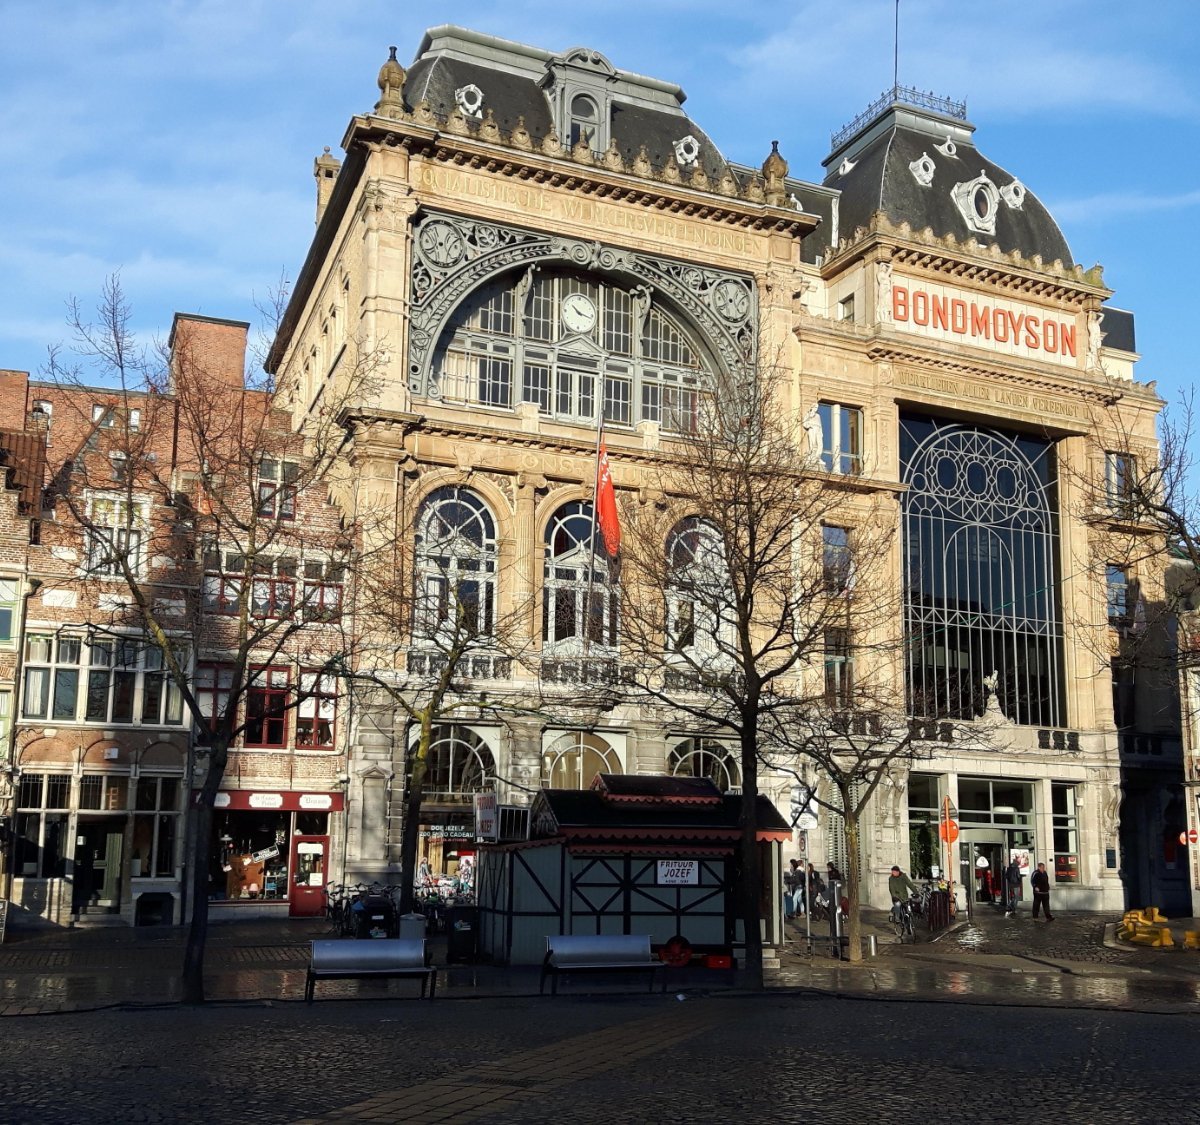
(520, 241)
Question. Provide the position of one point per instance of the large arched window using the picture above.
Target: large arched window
(573, 344)
(455, 566)
(706, 757)
(981, 572)
(699, 597)
(573, 761)
(459, 764)
(579, 598)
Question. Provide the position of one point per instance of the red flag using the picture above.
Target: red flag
(606, 506)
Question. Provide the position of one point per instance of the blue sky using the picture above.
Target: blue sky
(172, 140)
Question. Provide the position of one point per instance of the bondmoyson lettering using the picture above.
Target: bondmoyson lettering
(979, 321)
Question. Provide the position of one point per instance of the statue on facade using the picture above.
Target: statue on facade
(812, 433)
(883, 292)
(1094, 339)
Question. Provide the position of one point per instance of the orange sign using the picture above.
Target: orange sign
(948, 830)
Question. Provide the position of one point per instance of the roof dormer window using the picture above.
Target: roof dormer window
(584, 120)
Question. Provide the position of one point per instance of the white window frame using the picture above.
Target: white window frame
(123, 532)
(841, 426)
(10, 602)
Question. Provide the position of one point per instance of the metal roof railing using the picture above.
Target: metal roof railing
(909, 95)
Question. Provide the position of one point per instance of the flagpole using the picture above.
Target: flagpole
(587, 607)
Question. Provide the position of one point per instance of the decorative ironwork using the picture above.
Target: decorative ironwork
(453, 256)
(982, 573)
(908, 95)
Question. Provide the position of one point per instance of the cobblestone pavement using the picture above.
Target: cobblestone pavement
(723, 1058)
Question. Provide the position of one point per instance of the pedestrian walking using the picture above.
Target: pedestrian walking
(1039, 882)
(1012, 887)
(793, 889)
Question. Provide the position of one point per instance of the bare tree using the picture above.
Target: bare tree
(192, 495)
(755, 580)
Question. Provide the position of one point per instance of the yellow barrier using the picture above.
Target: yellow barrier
(1148, 927)
(1191, 939)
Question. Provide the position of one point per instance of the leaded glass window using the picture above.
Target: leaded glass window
(455, 564)
(613, 349)
(579, 599)
(981, 572)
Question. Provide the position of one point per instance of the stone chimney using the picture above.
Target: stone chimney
(325, 171)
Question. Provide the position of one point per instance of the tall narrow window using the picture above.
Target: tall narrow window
(1065, 812)
(578, 596)
(316, 713)
(455, 566)
(266, 708)
(1117, 584)
(839, 668)
(584, 120)
(277, 489)
(841, 438)
(9, 596)
(698, 594)
(116, 536)
(835, 559)
(1120, 476)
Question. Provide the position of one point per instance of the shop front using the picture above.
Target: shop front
(271, 850)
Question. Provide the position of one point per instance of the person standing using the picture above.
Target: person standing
(1039, 882)
(1012, 887)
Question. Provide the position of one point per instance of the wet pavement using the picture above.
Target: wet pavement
(998, 1020)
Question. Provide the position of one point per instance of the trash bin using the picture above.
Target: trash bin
(938, 916)
(412, 926)
(462, 933)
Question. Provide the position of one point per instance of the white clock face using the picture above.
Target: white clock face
(578, 313)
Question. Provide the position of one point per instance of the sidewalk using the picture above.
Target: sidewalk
(993, 960)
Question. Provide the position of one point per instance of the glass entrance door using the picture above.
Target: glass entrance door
(309, 867)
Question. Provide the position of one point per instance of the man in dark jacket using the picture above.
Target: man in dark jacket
(1040, 882)
(1012, 887)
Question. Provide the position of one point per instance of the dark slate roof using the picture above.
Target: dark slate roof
(1117, 328)
(589, 814)
(666, 787)
(881, 180)
(510, 75)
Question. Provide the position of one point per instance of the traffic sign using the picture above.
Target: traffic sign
(1189, 837)
(948, 830)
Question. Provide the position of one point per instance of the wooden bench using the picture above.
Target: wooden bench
(597, 953)
(377, 957)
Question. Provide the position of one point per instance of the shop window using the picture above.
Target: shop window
(316, 713)
(249, 859)
(573, 761)
(323, 590)
(266, 708)
(839, 668)
(211, 688)
(40, 836)
(924, 850)
(115, 537)
(155, 826)
(579, 597)
(1120, 477)
(706, 757)
(103, 792)
(835, 560)
(277, 489)
(9, 597)
(1064, 810)
(841, 438)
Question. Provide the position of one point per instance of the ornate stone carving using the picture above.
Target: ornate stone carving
(641, 163)
(520, 137)
(391, 87)
(947, 147)
(612, 157)
(489, 130)
(923, 169)
(453, 256)
(469, 100)
(687, 149)
(883, 292)
(977, 201)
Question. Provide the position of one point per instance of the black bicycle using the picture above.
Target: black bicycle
(902, 919)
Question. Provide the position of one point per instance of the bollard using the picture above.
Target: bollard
(872, 945)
